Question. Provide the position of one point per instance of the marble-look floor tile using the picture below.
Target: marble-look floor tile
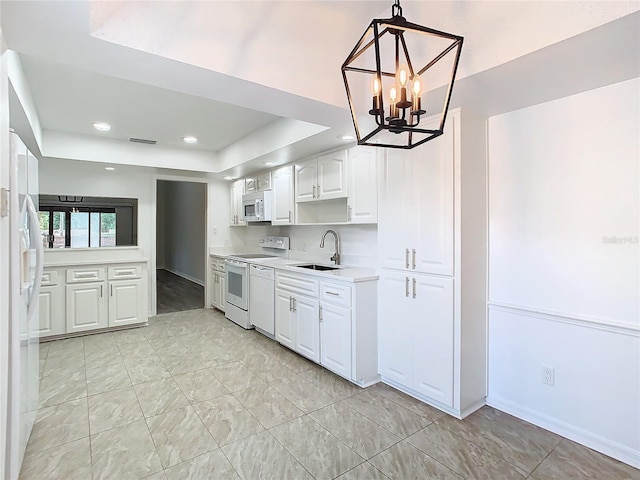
(113, 409)
(364, 471)
(102, 358)
(67, 347)
(322, 454)
(71, 461)
(406, 401)
(330, 383)
(359, 433)
(156, 476)
(156, 331)
(136, 350)
(266, 367)
(262, 456)
(104, 379)
(99, 341)
(60, 424)
(227, 420)
(404, 461)
(290, 359)
(124, 452)
(570, 461)
(463, 457)
(60, 388)
(305, 396)
(235, 376)
(160, 396)
(132, 335)
(213, 465)
(177, 364)
(180, 435)
(200, 385)
(218, 355)
(64, 364)
(516, 441)
(44, 351)
(267, 405)
(387, 414)
(146, 369)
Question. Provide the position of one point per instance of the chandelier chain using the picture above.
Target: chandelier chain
(396, 9)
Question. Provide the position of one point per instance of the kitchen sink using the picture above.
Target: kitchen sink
(318, 267)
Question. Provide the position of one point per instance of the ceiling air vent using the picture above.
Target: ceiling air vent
(142, 140)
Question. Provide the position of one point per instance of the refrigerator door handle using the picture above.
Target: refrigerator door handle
(37, 281)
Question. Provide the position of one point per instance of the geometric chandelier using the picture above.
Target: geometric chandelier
(385, 76)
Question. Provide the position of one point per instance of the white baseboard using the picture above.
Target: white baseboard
(184, 275)
(577, 434)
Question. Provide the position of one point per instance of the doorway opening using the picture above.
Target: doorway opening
(181, 222)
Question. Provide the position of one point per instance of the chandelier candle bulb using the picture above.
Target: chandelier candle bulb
(417, 90)
(375, 88)
(393, 109)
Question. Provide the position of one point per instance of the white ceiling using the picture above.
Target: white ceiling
(250, 79)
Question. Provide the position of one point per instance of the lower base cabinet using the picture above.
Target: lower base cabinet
(217, 286)
(297, 324)
(335, 338)
(125, 302)
(51, 305)
(86, 307)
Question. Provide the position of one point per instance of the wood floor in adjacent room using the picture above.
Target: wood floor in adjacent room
(176, 294)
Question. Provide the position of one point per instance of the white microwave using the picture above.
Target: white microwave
(256, 207)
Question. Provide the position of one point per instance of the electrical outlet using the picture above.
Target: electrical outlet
(548, 375)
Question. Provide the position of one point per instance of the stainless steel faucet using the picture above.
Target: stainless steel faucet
(336, 255)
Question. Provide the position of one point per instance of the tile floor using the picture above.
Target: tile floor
(193, 396)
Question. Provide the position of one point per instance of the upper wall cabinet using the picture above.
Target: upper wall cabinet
(362, 177)
(258, 183)
(323, 178)
(236, 190)
(282, 198)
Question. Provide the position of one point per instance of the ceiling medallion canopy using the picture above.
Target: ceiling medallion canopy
(386, 75)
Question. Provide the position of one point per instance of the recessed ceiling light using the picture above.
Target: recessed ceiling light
(227, 177)
(346, 137)
(103, 127)
(111, 169)
(268, 164)
(189, 139)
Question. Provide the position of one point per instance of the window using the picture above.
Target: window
(88, 223)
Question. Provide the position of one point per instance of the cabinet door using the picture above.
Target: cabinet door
(332, 176)
(86, 307)
(285, 328)
(433, 170)
(396, 327)
(306, 174)
(223, 289)
(307, 326)
(282, 196)
(362, 174)
(397, 213)
(250, 185)
(236, 190)
(213, 289)
(264, 181)
(125, 302)
(432, 309)
(335, 338)
(51, 309)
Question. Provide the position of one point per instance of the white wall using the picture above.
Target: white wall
(181, 229)
(564, 182)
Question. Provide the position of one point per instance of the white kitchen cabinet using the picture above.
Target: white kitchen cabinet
(217, 284)
(283, 201)
(416, 348)
(335, 338)
(86, 307)
(322, 178)
(258, 183)
(432, 250)
(125, 302)
(362, 176)
(51, 304)
(416, 218)
(332, 323)
(236, 190)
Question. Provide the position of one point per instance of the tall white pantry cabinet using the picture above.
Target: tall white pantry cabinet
(432, 253)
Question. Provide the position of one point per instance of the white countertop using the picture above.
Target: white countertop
(344, 273)
(92, 256)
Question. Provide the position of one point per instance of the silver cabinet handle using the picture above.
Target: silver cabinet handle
(406, 286)
(111, 291)
(290, 221)
(320, 312)
(413, 257)
(406, 258)
(100, 291)
(291, 304)
(333, 293)
(414, 288)
(314, 191)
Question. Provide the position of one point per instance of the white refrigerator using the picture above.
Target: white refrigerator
(26, 268)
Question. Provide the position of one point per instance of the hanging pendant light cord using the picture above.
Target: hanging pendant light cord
(396, 9)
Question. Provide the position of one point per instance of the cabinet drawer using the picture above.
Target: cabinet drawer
(89, 274)
(50, 278)
(217, 264)
(335, 293)
(128, 271)
(297, 284)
